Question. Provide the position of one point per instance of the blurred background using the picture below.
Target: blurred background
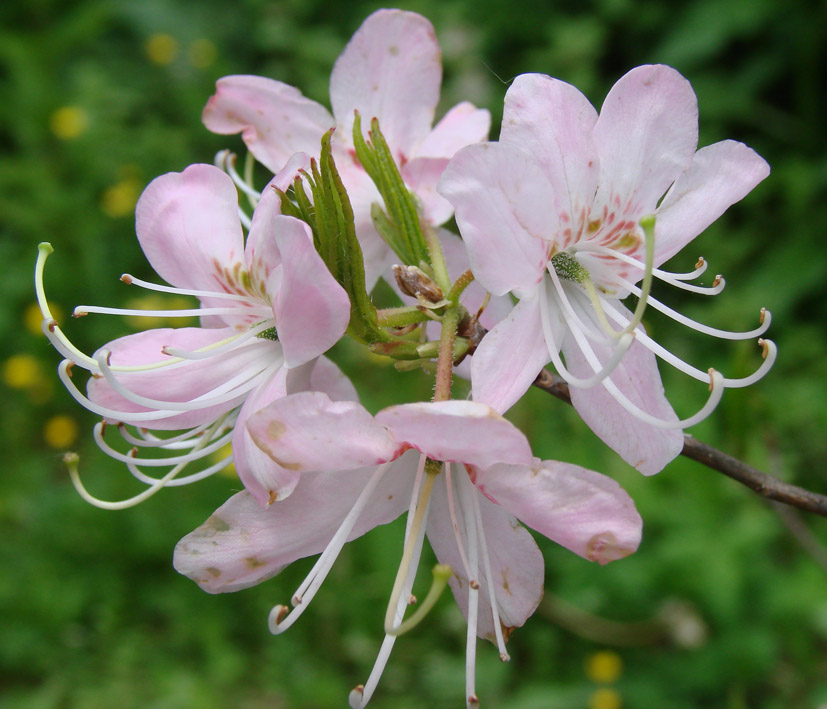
(724, 605)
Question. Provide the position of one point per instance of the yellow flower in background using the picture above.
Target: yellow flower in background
(22, 371)
(201, 53)
(60, 431)
(161, 49)
(605, 698)
(119, 200)
(604, 667)
(68, 122)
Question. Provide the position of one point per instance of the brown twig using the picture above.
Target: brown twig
(760, 482)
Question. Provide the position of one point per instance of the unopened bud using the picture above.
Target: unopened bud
(414, 282)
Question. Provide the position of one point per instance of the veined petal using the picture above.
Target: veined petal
(552, 121)
(510, 356)
(308, 432)
(391, 70)
(463, 125)
(720, 175)
(645, 136)
(516, 563)
(586, 512)
(461, 431)
(312, 310)
(501, 199)
(183, 382)
(645, 447)
(188, 227)
(242, 544)
(275, 120)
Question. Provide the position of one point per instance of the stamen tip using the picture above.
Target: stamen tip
(712, 374)
(764, 314)
(79, 313)
(71, 458)
(296, 600)
(717, 281)
(355, 697)
(765, 348)
(473, 700)
(277, 615)
(701, 262)
(474, 584)
(411, 600)
(505, 657)
(126, 278)
(51, 324)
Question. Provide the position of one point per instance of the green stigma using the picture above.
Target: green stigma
(566, 266)
(269, 334)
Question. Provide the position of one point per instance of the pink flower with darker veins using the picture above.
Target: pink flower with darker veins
(359, 471)
(569, 211)
(268, 310)
(391, 70)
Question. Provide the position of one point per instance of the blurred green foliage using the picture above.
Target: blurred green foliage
(99, 96)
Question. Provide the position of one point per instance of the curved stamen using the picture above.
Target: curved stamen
(234, 387)
(203, 451)
(449, 487)
(281, 617)
(186, 480)
(769, 353)
(473, 595)
(765, 318)
(82, 310)
(131, 280)
(147, 440)
(489, 577)
(64, 346)
(600, 375)
(227, 163)
(225, 345)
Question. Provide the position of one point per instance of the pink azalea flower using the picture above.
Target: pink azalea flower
(391, 69)
(552, 213)
(268, 310)
(359, 471)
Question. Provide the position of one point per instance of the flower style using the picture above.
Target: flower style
(569, 211)
(268, 310)
(391, 69)
(359, 471)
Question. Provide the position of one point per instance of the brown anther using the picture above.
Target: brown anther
(711, 379)
(126, 278)
(717, 281)
(296, 600)
(411, 600)
(765, 348)
(52, 324)
(283, 611)
(79, 313)
(504, 657)
(359, 689)
(414, 282)
(70, 367)
(134, 452)
(474, 700)
(474, 584)
(700, 262)
(762, 316)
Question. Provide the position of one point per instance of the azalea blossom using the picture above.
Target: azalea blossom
(268, 309)
(359, 471)
(391, 70)
(570, 211)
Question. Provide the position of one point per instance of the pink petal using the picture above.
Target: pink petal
(241, 544)
(391, 69)
(504, 213)
(461, 431)
(312, 310)
(510, 357)
(584, 511)
(308, 432)
(516, 563)
(262, 252)
(180, 383)
(275, 120)
(326, 377)
(720, 175)
(188, 226)
(646, 136)
(553, 122)
(645, 447)
(463, 125)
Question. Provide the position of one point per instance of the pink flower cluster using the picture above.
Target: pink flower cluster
(570, 212)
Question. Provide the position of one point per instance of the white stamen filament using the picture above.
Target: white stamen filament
(81, 310)
(765, 320)
(769, 353)
(131, 280)
(620, 349)
(469, 515)
(220, 347)
(280, 619)
(147, 440)
(186, 480)
(226, 160)
(72, 463)
(489, 577)
(450, 489)
(361, 695)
